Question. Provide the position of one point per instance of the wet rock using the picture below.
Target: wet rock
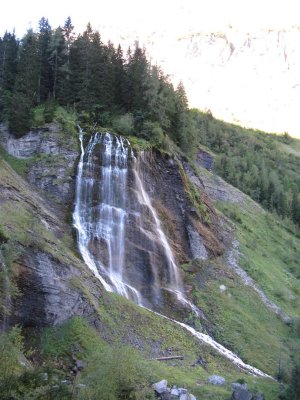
(196, 243)
(216, 380)
(241, 394)
(204, 159)
(47, 296)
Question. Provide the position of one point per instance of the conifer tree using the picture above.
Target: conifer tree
(26, 85)
(44, 82)
(8, 71)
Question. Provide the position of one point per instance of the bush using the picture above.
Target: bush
(123, 124)
(152, 131)
(67, 120)
(118, 373)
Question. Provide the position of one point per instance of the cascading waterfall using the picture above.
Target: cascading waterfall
(101, 215)
(175, 281)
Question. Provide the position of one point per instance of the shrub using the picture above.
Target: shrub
(117, 373)
(123, 124)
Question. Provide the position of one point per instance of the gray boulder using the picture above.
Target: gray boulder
(216, 380)
(241, 394)
(237, 385)
(161, 386)
(175, 392)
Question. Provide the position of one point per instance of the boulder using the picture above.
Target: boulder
(161, 386)
(165, 396)
(216, 380)
(237, 385)
(241, 394)
(175, 391)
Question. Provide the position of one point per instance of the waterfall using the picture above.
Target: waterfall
(6, 293)
(175, 281)
(105, 208)
(100, 213)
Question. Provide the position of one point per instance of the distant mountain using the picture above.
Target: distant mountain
(248, 78)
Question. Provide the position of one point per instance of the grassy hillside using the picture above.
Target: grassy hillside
(118, 322)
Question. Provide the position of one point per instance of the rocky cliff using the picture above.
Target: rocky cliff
(45, 281)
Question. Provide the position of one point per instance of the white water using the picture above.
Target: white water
(6, 293)
(217, 346)
(100, 217)
(175, 280)
(103, 222)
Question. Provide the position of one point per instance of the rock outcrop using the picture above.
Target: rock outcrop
(53, 155)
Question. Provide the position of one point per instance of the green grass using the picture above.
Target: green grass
(270, 255)
(59, 343)
(241, 322)
(21, 166)
(238, 318)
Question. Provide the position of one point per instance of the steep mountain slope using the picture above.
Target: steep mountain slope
(46, 283)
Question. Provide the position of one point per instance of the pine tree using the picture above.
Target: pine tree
(137, 69)
(44, 82)
(8, 71)
(57, 62)
(26, 85)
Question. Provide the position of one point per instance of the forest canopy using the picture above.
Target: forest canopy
(54, 67)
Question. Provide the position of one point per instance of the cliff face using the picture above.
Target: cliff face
(45, 281)
(53, 156)
(41, 267)
(41, 271)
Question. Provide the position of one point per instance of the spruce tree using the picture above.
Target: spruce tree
(44, 80)
(26, 86)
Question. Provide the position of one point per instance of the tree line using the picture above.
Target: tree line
(254, 162)
(52, 67)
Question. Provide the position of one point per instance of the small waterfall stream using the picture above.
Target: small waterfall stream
(102, 214)
(6, 292)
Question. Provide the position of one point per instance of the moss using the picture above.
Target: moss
(139, 144)
(21, 166)
(67, 120)
(195, 197)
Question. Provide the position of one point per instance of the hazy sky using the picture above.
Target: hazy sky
(152, 14)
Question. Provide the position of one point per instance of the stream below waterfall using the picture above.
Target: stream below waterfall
(113, 212)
